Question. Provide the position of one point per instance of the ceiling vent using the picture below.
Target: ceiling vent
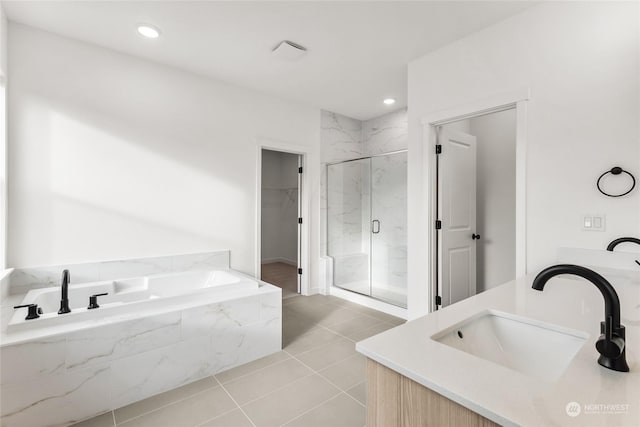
(289, 51)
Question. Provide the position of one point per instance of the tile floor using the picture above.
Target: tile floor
(318, 380)
(284, 276)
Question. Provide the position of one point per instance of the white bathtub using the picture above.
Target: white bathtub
(125, 295)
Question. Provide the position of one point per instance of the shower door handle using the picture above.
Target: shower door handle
(375, 226)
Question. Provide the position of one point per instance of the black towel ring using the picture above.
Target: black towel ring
(617, 171)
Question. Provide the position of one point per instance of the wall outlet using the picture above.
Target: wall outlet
(593, 222)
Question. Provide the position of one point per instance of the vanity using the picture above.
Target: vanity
(509, 356)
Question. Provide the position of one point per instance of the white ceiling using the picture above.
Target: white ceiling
(357, 51)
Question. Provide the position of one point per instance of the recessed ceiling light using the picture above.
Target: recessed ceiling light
(149, 31)
(389, 101)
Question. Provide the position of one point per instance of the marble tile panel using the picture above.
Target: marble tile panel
(50, 399)
(100, 344)
(24, 279)
(386, 133)
(31, 360)
(341, 137)
(143, 375)
(214, 318)
(233, 347)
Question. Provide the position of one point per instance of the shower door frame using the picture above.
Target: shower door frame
(397, 310)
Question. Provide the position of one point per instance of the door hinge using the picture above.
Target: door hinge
(299, 220)
(300, 169)
(438, 300)
(299, 271)
(438, 149)
(438, 224)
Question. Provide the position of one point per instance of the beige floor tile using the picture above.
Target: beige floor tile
(377, 314)
(359, 392)
(313, 304)
(147, 405)
(339, 315)
(247, 368)
(231, 419)
(189, 412)
(316, 337)
(387, 318)
(294, 326)
(347, 373)
(328, 354)
(104, 420)
(285, 404)
(353, 326)
(341, 411)
(264, 381)
(370, 331)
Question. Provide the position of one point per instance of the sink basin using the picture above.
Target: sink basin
(525, 345)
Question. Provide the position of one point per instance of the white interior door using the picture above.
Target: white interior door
(457, 206)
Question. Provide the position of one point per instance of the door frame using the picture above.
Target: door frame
(518, 100)
(304, 203)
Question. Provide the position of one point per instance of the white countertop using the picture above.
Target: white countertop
(509, 397)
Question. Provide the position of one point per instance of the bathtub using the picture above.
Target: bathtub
(124, 295)
(155, 331)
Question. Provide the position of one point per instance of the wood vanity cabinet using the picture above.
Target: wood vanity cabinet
(395, 400)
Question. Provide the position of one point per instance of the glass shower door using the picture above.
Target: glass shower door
(389, 228)
(348, 224)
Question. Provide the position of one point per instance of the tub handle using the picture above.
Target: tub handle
(93, 300)
(34, 311)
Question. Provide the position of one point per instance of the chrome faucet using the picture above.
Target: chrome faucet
(611, 344)
(64, 301)
(616, 242)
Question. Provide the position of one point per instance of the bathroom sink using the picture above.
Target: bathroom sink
(525, 345)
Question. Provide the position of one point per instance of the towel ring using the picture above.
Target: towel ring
(617, 171)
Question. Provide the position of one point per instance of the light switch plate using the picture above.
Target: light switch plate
(594, 222)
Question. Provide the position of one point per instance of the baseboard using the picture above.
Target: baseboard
(282, 260)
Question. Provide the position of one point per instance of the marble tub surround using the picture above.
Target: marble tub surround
(21, 280)
(67, 377)
(509, 397)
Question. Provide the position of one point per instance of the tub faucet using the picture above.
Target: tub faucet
(611, 344)
(64, 301)
(616, 242)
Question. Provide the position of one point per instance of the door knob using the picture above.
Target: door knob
(475, 236)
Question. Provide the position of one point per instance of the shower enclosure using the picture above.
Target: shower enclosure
(367, 226)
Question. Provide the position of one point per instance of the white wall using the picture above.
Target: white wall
(496, 197)
(114, 157)
(3, 137)
(279, 207)
(581, 62)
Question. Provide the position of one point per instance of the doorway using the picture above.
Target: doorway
(475, 190)
(281, 220)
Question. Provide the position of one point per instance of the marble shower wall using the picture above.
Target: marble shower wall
(389, 246)
(343, 138)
